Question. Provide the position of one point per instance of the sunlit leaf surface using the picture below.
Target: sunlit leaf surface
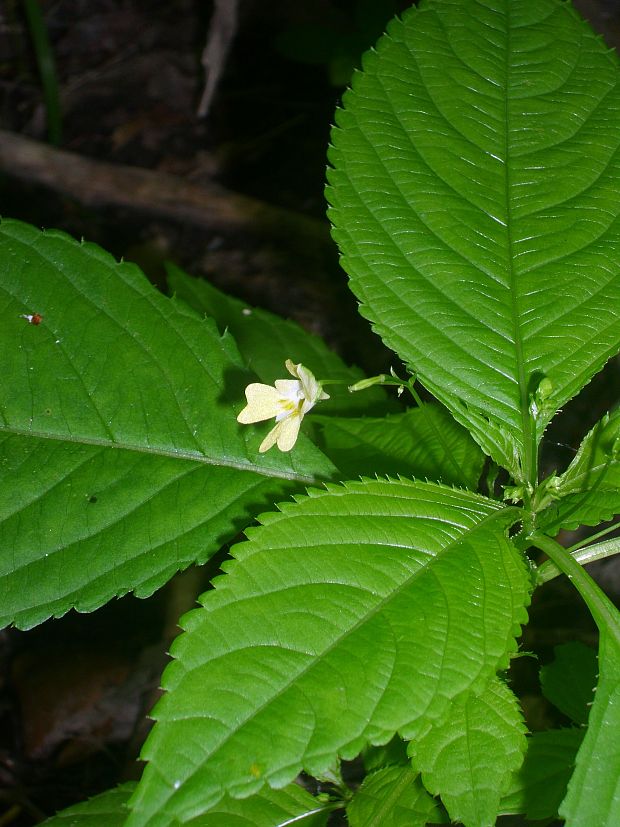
(474, 193)
(351, 615)
(121, 460)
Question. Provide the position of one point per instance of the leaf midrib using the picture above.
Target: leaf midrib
(528, 460)
(390, 801)
(175, 453)
(601, 469)
(321, 656)
(143, 295)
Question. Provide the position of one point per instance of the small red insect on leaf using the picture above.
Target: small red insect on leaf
(32, 318)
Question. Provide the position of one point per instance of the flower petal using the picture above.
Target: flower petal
(289, 431)
(288, 401)
(285, 434)
(289, 388)
(311, 389)
(264, 401)
(271, 438)
(292, 368)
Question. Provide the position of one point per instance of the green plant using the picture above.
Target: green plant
(47, 69)
(336, 42)
(473, 190)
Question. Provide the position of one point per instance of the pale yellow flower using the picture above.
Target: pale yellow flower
(289, 401)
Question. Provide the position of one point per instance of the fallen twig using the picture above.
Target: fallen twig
(101, 184)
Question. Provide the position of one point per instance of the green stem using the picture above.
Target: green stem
(364, 384)
(416, 396)
(533, 453)
(393, 379)
(47, 69)
(548, 570)
(603, 611)
(602, 533)
(333, 382)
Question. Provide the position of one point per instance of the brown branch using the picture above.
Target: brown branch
(101, 184)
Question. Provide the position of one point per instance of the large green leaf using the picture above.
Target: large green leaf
(589, 491)
(351, 615)
(538, 787)
(424, 442)
(569, 680)
(108, 809)
(474, 199)
(393, 797)
(265, 341)
(83, 523)
(269, 808)
(594, 790)
(468, 758)
(120, 457)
